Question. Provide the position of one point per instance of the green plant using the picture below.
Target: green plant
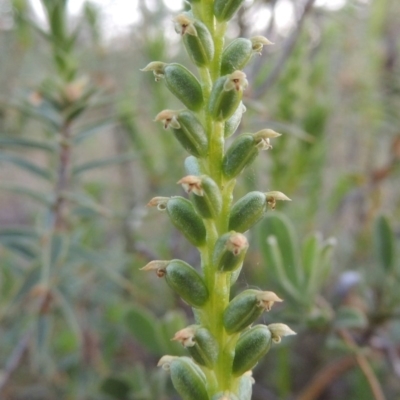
(223, 345)
(50, 270)
(300, 274)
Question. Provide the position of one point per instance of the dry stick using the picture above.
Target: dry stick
(14, 360)
(324, 378)
(63, 180)
(288, 48)
(364, 366)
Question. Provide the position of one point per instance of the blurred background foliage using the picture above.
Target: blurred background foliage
(80, 157)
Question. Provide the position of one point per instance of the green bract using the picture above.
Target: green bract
(185, 218)
(251, 346)
(187, 129)
(224, 9)
(226, 95)
(209, 204)
(205, 349)
(247, 211)
(233, 122)
(240, 154)
(229, 251)
(186, 281)
(180, 81)
(184, 85)
(196, 38)
(242, 311)
(188, 379)
(245, 149)
(236, 55)
(239, 52)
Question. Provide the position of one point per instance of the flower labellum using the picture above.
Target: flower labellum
(279, 330)
(185, 336)
(192, 184)
(273, 197)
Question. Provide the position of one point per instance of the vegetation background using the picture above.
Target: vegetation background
(80, 157)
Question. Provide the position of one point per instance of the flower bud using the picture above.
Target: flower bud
(196, 38)
(205, 194)
(226, 95)
(245, 308)
(244, 150)
(250, 348)
(246, 386)
(183, 216)
(229, 251)
(224, 9)
(233, 122)
(182, 278)
(188, 378)
(278, 330)
(239, 52)
(165, 362)
(192, 166)
(180, 81)
(200, 343)
(225, 396)
(187, 129)
(251, 208)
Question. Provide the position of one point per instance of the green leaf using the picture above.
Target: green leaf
(44, 112)
(325, 262)
(350, 318)
(92, 129)
(59, 247)
(22, 241)
(15, 232)
(80, 105)
(122, 158)
(16, 141)
(278, 225)
(87, 202)
(144, 327)
(25, 249)
(44, 324)
(274, 260)
(70, 316)
(30, 279)
(26, 165)
(384, 242)
(41, 197)
(311, 261)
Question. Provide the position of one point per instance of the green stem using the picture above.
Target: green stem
(216, 152)
(218, 283)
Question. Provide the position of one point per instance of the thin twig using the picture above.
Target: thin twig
(14, 360)
(287, 50)
(364, 366)
(325, 377)
(63, 178)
